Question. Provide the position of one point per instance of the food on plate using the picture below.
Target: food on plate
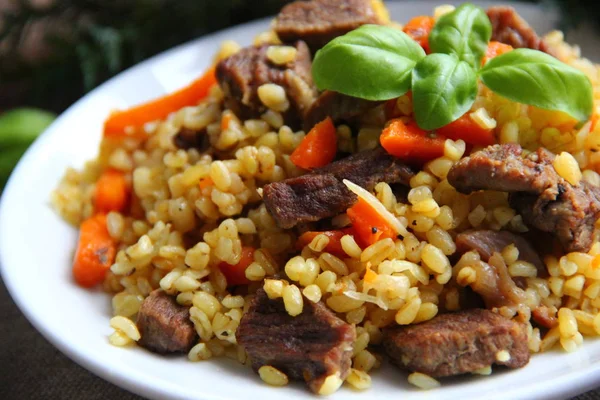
(349, 189)
(467, 341)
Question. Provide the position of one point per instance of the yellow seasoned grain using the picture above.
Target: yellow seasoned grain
(207, 303)
(567, 167)
(329, 262)
(281, 55)
(330, 385)
(426, 312)
(454, 150)
(423, 381)
(574, 286)
(407, 314)
(466, 276)
(292, 300)
(342, 303)
(186, 284)
(273, 288)
(477, 216)
(509, 132)
(255, 272)
(272, 376)
(312, 293)
(359, 379)
(423, 178)
(378, 251)
(593, 290)
(273, 118)
(364, 361)
(446, 218)
(483, 119)
(356, 316)
(523, 269)
(319, 243)
(326, 281)
(118, 338)
(350, 246)
(439, 167)
(442, 10)
(199, 352)
(273, 96)
(125, 326)
(435, 259)
(419, 194)
(230, 301)
(510, 254)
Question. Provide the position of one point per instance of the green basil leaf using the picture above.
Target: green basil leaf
(444, 88)
(372, 62)
(538, 79)
(464, 32)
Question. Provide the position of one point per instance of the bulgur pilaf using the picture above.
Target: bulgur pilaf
(181, 203)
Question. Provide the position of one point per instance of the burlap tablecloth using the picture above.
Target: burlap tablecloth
(31, 368)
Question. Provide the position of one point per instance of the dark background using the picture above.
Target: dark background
(54, 51)
(51, 53)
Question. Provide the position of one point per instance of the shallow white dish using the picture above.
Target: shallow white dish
(36, 249)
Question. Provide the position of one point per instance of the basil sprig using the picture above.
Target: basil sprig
(379, 63)
(444, 88)
(372, 62)
(465, 32)
(538, 79)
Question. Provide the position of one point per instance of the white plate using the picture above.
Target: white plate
(36, 250)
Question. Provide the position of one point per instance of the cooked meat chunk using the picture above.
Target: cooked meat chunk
(164, 325)
(545, 200)
(243, 73)
(322, 193)
(191, 139)
(309, 346)
(508, 27)
(339, 107)
(457, 343)
(488, 242)
(319, 21)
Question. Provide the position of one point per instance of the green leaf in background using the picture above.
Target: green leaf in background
(464, 32)
(538, 79)
(18, 129)
(444, 88)
(372, 62)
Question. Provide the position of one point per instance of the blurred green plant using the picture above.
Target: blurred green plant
(18, 129)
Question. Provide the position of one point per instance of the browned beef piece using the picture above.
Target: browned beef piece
(339, 107)
(319, 21)
(164, 325)
(508, 27)
(322, 193)
(488, 242)
(191, 139)
(243, 73)
(309, 346)
(457, 343)
(544, 199)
